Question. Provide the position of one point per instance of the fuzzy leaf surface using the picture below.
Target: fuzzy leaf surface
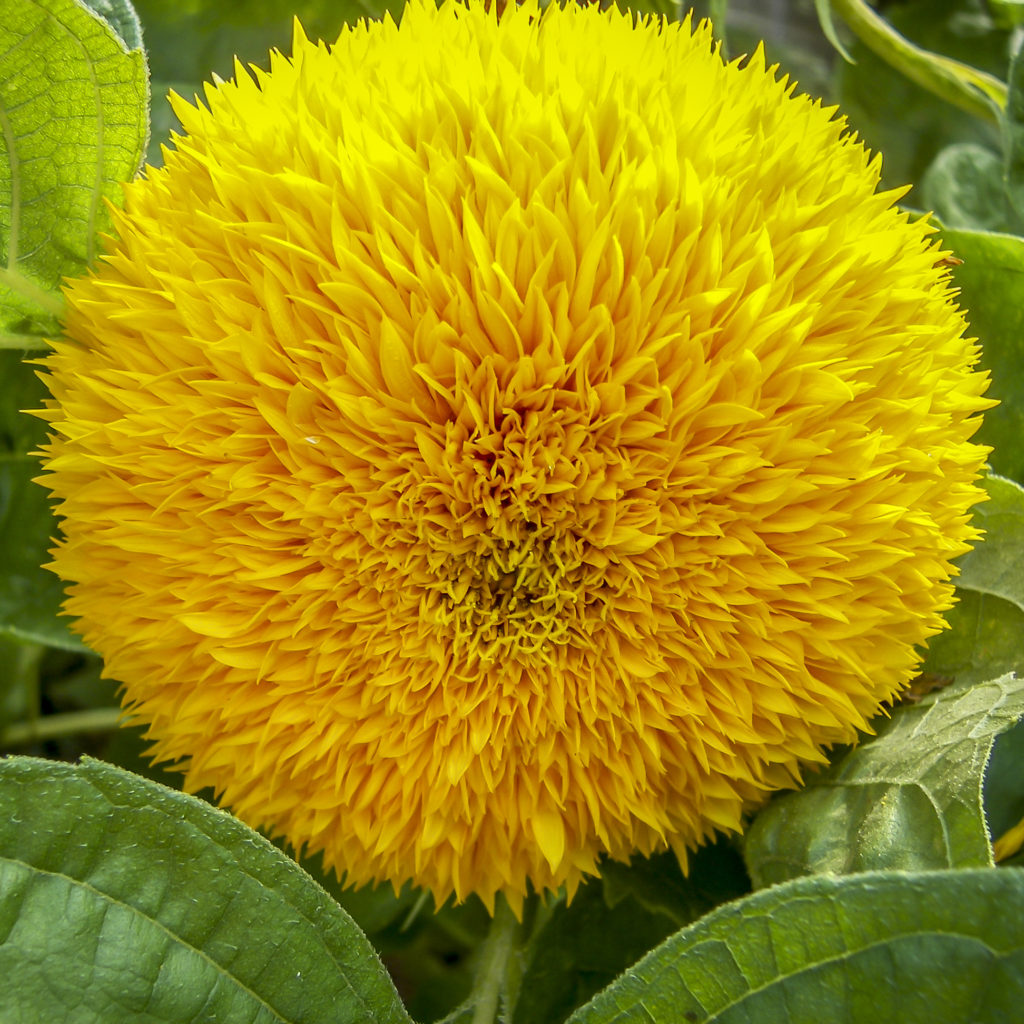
(122, 900)
(908, 799)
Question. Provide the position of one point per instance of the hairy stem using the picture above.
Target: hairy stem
(10, 340)
(69, 723)
(492, 971)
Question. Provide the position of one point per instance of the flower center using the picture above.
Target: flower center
(502, 599)
(508, 563)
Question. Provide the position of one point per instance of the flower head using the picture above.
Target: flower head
(494, 442)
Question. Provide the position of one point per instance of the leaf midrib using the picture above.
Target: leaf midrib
(173, 936)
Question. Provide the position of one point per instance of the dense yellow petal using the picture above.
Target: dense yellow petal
(491, 443)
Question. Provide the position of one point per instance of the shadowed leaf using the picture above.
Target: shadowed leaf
(123, 900)
(915, 948)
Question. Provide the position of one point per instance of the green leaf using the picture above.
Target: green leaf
(991, 283)
(958, 83)
(73, 126)
(30, 596)
(994, 571)
(987, 623)
(983, 640)
(908, 799)
(121, 17)
(862, 949)
(996, 565)
(121, 900)
(1004, 782)
(964, 187)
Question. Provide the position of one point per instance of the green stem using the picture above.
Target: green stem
(972, 90)
(69, 723)
(492, 970)
(23, 665)
(34, 342)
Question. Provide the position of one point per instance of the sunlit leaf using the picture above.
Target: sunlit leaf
(73, 126)
(903, 121)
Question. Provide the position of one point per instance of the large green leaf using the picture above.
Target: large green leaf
(991, 282)
(908, 799)
(73, 126)
(861, 949)
(121, 900)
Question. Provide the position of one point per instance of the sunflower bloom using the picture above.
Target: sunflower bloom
(497, 441)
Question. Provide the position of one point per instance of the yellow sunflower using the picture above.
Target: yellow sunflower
(496, 441)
